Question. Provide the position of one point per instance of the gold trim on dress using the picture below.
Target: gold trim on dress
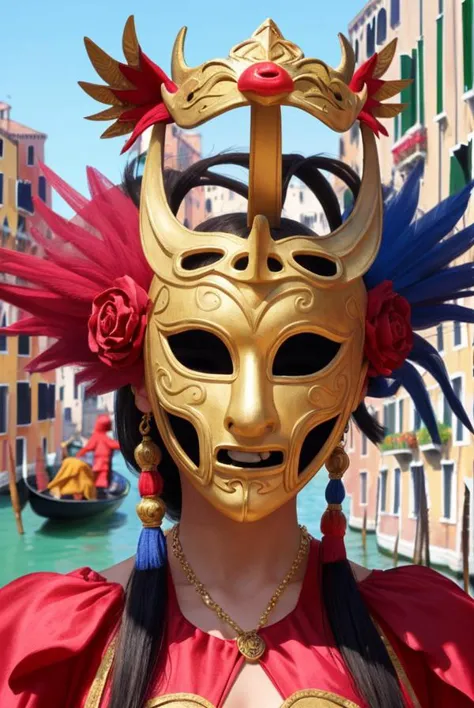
(401, 673)
(313, 698)
(97, 688)
(179, 700)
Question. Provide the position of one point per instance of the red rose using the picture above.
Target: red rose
(118, 322)
(388, 330)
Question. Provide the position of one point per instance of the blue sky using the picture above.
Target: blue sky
(43, 57)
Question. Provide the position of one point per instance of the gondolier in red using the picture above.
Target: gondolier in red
(240, 350)
(103, 447)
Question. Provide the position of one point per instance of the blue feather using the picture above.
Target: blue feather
(381, 387)
(426, 317)
(441, 256)
(414, 385)
(446, 284)
(424, 354)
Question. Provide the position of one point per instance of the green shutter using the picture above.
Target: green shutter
(468, 40)
(439, 64)
(406, 95)
(397, 128)
(348, 199)
(457, 176)
(421, 81)
(414, 111)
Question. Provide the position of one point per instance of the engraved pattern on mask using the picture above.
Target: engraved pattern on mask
(326, 399)
(208, 299)
(162, 300)
(305, 301)
(193, 394)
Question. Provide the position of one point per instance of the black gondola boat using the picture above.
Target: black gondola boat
(44, 504)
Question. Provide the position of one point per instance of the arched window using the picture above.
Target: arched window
(395, 13)
(382, 26)
(356, 50)
(370, 38)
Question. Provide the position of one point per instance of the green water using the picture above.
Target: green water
(105, 540)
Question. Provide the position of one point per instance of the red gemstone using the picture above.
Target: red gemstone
(265, 79)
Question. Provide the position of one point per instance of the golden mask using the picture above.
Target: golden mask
(254, 299)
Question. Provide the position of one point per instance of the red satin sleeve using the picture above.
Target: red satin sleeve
(430, 622)
(53, 631)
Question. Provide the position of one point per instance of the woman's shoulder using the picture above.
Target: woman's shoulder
(428, 617)
(50, 619)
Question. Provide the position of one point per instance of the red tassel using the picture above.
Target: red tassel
(333, 528)
(150, 483)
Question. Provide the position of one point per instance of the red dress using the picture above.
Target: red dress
(54, 630)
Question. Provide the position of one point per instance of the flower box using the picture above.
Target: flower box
(399, 444)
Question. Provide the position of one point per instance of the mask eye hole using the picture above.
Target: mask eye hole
(199, 350)
(316, 264)
(193, 261)
(304, 354)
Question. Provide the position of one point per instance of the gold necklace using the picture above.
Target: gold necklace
(250, 643)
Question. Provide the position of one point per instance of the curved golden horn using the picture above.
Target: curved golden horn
(357, 241)
(179, 69)
(347, 65)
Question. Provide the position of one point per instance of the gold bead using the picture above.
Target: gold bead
(151, 511)
(337, 463)
(147, 455)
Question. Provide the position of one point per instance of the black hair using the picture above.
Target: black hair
(142, 631)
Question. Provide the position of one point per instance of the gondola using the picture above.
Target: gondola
(5, 499)
(44, 504)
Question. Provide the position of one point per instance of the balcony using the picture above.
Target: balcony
(399, 444)
(427, 446)
(410, 149)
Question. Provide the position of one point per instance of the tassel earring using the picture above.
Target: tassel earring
(333, 521)
(151, 552)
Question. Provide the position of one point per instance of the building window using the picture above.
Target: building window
(395, 13)
(400, 417)
(370, 38)
(31, 155)
(439, 64)
(3, 409)
(1, 187)
(44, 447)
(301, 197)
(408, 70)
(389, 418)
(61, 393)
(440, 338)
(208, 206)
(459, 428)
(416, 420)
(383, 490)
(421, 81)
(468, 38)
(24, 345)
(382, 26)
(396, 490)
(448, 490)
(416, 481)
(23, 394)
(43, 401)
(3, 337)
(6, 231)
(356, 50)
(457, 334)
(24, 199)
(67, 415)
(20, 449)
(364, 445)
(460, 167)
(348, 199)
(42, 187)
(51, 401)
(1, 147)
(363, 487)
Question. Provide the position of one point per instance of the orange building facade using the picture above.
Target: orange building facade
(435, 49)
(29, 413)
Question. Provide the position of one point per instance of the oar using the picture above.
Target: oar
(14, 491)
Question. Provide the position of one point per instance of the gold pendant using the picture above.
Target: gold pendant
(251, 645)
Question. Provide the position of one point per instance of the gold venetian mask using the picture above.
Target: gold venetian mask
(256, 303)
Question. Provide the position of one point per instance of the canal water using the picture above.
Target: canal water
(101, 542)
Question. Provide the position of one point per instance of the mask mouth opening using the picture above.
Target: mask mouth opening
(314, 442)
(186, 435)
(250, 459)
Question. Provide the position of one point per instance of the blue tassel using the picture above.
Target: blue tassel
(151, 551)
(335, 492)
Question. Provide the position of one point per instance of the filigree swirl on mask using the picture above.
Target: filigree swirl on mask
(207, 299)
(193, 394)
(325, 398)
(304, 302)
